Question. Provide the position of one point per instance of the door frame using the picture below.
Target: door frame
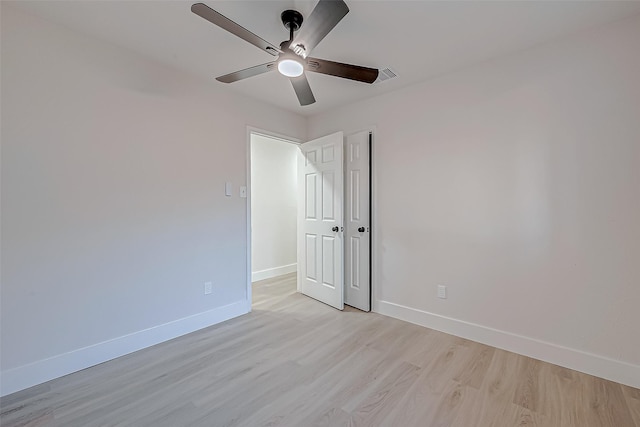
(373, 191)
(251, 130)
(375, 306)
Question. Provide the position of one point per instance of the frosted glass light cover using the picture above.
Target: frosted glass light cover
(290, 68)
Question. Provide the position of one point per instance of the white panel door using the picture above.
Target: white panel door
(357, 212)
(320, 214)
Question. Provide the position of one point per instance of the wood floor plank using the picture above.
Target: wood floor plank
(332, 418)
(473, 372)
(632, 398)
(375, 407)
(446, 407)
(527, 391)
(493, 402)
(431, 388)
(295, 362)
(607, 403)
(296, 406)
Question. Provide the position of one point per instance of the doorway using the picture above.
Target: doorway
(279, 179)
(273, 201)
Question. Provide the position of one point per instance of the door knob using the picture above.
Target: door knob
(361, 229)
(335, 228)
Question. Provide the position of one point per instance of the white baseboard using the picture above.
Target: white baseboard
(25, 376)
(273, 272)
(589, 363)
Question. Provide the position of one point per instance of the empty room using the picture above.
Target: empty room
(320, 213)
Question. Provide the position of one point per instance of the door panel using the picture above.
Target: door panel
(357, 255)
(355, 199)
(328, 261)
(310, 254)
(320, 247)
(355, 266)
(328, 196)
(310, 196)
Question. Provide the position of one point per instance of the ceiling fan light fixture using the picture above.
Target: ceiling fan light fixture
(293, 58)
(290, 67)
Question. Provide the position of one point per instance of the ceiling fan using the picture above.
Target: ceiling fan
(293, 55)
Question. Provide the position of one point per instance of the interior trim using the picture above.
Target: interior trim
(25, 376)
(582, 361)
(268, 273)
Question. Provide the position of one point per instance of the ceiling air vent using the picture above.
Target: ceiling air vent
(384, 75)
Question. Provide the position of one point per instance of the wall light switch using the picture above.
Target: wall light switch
(243, 192)
(208, 288)
(228, 189)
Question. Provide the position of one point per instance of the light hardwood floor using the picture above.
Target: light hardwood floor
(296, 362)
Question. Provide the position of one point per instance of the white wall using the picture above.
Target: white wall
(113, 206)
(516, 183)
(274, 199)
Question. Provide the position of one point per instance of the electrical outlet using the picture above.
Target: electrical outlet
(442, 292)
(208, 288)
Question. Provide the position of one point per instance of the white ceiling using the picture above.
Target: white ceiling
(417, 39)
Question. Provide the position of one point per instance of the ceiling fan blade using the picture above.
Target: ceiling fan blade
(303, 90)
(247, 72)
(222, 21)
(346, 71)
(323, 18)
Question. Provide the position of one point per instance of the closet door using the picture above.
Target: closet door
(357, 221)
(320, 220)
